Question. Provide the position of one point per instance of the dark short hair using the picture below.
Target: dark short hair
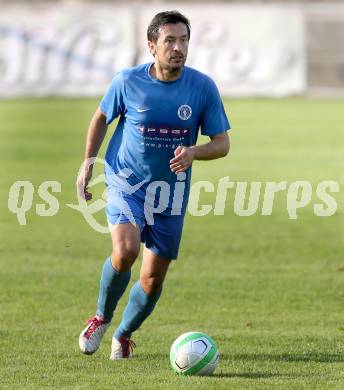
(166, 17)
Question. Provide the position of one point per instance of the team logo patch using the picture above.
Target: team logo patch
(184, 112)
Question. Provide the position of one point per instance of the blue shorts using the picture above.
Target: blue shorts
(162, 236)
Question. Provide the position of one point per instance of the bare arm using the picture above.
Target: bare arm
(184, 156)
(95, 136)
(216, 148)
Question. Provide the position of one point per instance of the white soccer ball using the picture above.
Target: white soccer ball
(194, 353)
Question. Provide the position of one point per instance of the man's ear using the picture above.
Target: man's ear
(151, 47)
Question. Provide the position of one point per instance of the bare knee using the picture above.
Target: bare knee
(123, 257)
(151, 284)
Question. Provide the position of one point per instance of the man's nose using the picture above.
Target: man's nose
(177, 46)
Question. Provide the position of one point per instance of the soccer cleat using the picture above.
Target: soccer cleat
(122, 348)
(91, 336)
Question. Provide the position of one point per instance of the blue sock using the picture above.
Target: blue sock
(139, 307)
(112, 287)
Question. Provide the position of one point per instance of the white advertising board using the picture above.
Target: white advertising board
(64, 49)
(74, 49)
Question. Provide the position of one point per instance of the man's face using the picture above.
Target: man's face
(171, 48)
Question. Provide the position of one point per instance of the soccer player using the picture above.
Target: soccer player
(161, 106)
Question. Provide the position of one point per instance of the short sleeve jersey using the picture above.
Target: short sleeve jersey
(155, 117)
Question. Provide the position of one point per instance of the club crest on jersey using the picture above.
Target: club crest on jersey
(184, 112)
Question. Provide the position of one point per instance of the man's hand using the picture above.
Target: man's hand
(183, 159)
(82, 183)
(185, 155)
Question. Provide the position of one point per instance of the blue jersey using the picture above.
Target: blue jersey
(155, 117)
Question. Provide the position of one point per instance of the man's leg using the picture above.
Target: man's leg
(142, 300)
(116, 271)
(114, 280)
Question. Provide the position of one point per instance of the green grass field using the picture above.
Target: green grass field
(268, 289)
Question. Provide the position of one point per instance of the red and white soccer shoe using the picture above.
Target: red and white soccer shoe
(91, 336)
(122, 348)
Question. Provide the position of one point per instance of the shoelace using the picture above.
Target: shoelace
(127, 346)
(95, 323)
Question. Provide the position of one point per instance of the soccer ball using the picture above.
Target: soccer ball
(194, 353)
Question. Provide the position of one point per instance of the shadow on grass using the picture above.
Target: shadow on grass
(248, 375)
(316, 357)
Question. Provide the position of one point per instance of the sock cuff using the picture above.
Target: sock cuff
(113, 269)
(147, 297)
